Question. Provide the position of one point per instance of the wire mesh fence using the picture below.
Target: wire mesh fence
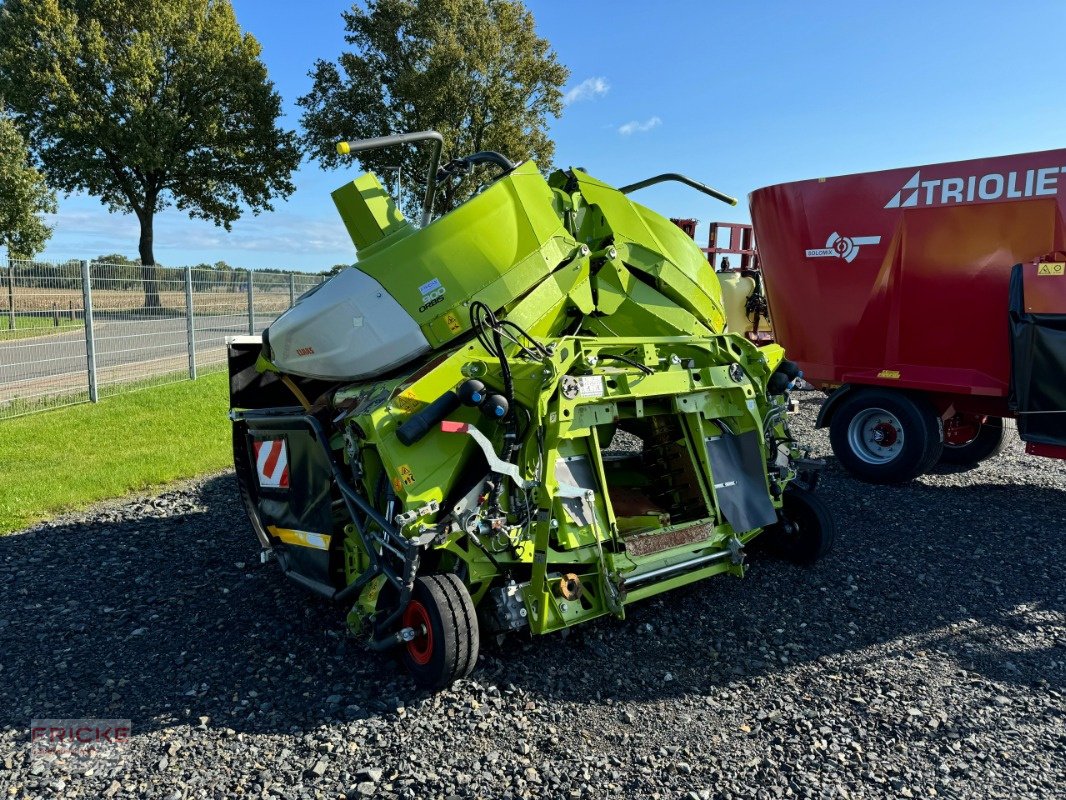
(78, 331)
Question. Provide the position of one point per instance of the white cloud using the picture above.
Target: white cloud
(635, 126)
(587, 90)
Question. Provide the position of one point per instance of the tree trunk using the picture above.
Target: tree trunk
(148, 271)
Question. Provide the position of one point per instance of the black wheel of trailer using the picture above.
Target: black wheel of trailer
(807, 531)
(886, 436)
(445, 645)
(970, 441)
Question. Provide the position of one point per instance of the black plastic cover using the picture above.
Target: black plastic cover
(739, 476)
(305, 505)
(1038, 368)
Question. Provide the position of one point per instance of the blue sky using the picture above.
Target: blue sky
(738, 95)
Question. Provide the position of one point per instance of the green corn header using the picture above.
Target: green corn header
(517, 417)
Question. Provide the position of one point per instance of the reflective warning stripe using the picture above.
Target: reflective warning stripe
(272, 463)
(318, 541)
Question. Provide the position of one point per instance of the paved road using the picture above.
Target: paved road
(125, 350)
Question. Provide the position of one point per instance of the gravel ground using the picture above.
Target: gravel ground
(925, 657)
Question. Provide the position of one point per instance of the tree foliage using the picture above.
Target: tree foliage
(475, 70)
(144, 103)
(24, 198)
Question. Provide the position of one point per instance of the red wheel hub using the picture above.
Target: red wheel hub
(421, 647)
(885, 434)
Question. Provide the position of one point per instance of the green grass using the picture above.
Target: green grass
(29, 327)
(67, 459)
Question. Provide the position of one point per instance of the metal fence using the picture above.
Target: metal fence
(79, 331)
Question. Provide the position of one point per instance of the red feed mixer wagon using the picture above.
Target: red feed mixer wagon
(930, 302)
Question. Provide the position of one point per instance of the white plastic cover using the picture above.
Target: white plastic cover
(346, 329)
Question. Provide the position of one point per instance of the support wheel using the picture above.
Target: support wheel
(969, 440)
(807, 531)
(445, 645)
(886, 436)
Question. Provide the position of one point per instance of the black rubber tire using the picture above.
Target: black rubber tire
(923, 435)
(811, 534)
(454, 638)
(990, 440)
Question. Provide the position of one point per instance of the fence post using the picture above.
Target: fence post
(90, 341)
(11, 292)
(292, 290)
(251, 306)
(190, 329)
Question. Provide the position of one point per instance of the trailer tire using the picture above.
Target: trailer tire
(811, 533)
(987, 443)
(886, 436)
(448, 647)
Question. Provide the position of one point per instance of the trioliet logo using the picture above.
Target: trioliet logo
(1013, 185)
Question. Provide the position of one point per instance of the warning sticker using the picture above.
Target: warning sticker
(408, 402)
(272, 463)
(1052, 269)
(453, 323)
(406, 475)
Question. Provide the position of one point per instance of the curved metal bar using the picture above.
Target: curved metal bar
(674, 176)
(361, 145)
(490, 157)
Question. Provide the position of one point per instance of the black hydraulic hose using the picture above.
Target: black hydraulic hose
(490, 157)
(642, 367)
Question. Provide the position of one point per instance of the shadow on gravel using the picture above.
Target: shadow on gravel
(160, 612)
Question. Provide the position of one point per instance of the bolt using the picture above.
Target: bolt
(554, 524)
(564, 607)
(675, 359)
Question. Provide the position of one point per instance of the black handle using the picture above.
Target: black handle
(429, 417)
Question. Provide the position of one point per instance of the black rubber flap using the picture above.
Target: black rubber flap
(738, 472)
(1038, 369)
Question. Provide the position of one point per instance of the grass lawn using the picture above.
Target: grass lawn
(67, 459)
(28, 327)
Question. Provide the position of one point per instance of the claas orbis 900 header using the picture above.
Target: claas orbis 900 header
(519, 416)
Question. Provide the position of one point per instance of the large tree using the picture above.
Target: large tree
(144, 103)
(24, 198)
(475, 70)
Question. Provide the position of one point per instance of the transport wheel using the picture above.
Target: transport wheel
(445, 646)
(807, 532)
(886, 436)
(968, 440)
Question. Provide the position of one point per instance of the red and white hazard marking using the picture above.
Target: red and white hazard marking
(272, 463)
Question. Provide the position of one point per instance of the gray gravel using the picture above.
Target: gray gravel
(925, 657)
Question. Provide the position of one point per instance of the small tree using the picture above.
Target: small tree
(24, 198)
(475, 70)
(144, 103)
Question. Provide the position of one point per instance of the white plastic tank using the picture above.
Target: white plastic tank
(348, 328)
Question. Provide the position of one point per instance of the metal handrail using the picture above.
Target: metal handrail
(361, 145)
